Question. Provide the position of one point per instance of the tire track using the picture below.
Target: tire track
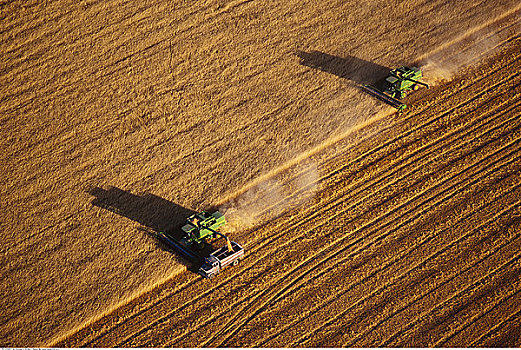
(420, 315)
(388, 263)
(496, 329)
(497, 303)
(338, 316)
(430, 239)
(486, 323)
(471, 289)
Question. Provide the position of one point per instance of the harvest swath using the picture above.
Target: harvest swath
(362, 227)
(413, 241)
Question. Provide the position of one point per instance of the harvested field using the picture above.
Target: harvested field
(363, 227)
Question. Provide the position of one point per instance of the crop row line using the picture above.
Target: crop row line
(333, 319)
(403, 224)
(404, 253)
(495, 328)
(420, 316)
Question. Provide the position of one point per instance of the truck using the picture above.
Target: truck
(221, 258)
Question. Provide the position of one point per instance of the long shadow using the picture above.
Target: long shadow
(148, 209)
(154, 213)
(352, 68)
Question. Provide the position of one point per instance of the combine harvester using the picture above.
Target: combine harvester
(198, 229)
(396, 86)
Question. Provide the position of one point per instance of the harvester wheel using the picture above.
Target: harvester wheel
(416, 87)
(235, 262)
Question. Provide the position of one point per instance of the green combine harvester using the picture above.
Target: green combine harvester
(397, 85)
(200, 227)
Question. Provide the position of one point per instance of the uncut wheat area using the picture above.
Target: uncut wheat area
(119, 118)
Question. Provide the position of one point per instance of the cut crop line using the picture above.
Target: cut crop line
(409, 131)
(476, 318)
(465, 291)
(333, 319)
(472, 83)
(350, 165)
(427, 239)
(403, 254)
(472, 32)
(496, 327)
(313, 259)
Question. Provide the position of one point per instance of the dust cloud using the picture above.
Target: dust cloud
(469, 49)
(272, 197)
(298, 180)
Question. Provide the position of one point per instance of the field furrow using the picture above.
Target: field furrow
(315, 259)
(397, 256)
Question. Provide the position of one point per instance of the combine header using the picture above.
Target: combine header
(397, 85)
(200, 228)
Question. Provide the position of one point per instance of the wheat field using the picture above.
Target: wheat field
(362, 226)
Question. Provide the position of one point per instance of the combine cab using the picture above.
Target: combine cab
(200, 227)
(397, 85)
(402, 80)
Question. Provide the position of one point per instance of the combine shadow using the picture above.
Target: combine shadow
(154, 213)
(352, 68)
(149, 210)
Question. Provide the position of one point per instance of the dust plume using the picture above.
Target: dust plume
(469, 49)
(298, 180)
(444, 65)
(272, 197)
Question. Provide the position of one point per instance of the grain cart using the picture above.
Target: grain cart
(397, 85)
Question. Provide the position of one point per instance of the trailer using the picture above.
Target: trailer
(221, 258)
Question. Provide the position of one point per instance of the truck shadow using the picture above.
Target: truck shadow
(154, 213)
(352, 68)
